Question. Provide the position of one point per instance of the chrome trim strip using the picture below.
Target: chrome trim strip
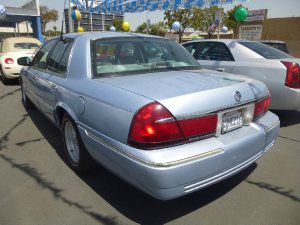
(165, 120)
(272, 126)
(149, 163)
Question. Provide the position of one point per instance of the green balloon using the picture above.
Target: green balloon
(241, 14)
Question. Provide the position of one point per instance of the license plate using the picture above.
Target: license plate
(232, 120)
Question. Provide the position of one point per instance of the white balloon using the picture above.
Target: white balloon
(176, 26)
(224, 29)
(112, 29)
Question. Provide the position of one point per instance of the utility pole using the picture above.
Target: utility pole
(220, 20)
(147, 24)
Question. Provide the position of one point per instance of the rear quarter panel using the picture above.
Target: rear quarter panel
(271, 72)
(96, 106)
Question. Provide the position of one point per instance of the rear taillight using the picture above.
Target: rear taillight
(261, 107)
(292, 79)
(154, 126)
(201, 126)
(9, 61)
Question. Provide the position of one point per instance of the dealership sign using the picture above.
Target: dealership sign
(250, 32)
(256, 15)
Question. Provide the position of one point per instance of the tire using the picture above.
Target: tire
(77, 155)
(25, 100)
(4, 79)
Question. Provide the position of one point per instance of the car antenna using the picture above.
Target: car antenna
(62, 22)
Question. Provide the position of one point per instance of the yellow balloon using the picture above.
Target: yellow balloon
(126, 26)
(80, 29)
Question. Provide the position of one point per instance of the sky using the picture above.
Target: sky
(276, 8)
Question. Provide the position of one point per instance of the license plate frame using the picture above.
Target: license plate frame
(232, 120)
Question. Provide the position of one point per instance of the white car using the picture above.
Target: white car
(278, 70)
(11, 49)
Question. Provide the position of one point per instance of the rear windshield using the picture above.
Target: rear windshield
(26, 45)
(265, 50)
(280, 46)
(134, 55)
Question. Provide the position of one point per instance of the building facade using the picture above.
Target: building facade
(90, 21)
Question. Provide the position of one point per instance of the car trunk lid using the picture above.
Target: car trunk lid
(186, 93)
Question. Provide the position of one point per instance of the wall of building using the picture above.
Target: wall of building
(284, 29)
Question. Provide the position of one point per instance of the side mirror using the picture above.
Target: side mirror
(24, 61)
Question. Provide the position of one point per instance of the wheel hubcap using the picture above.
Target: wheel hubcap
(71, 142)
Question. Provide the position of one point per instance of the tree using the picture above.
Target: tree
(118, 24)
(183, 16)
(47, 15)
(158, 29)
(141, 28)
(55, 28)
(204, 19)
(231, 22)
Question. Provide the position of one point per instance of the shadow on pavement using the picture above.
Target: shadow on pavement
(131, 202)
(14, 82)
(288, 117)
(276, 189)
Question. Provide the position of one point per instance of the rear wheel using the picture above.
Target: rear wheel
(77, 155)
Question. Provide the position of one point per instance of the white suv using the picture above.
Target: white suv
(11, 49)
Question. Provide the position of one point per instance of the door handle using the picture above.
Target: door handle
(220, 69)
(53, 87)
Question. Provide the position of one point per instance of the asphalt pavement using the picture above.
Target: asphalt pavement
(37, 186)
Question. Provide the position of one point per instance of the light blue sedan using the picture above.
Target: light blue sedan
(142, 107)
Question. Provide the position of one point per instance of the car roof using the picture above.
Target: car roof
(226, 41)
(271, 41)
(106, 34)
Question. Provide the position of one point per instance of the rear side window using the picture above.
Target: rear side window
(191, 47)
(265, 50)
(215, 51)
(58, 60)
(280, 46)
(26, 45)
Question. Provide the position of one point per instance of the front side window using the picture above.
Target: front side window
(191, 47)
(133, 55)
(58, 60)
(265, 50)
(215, 51)
(39, 60)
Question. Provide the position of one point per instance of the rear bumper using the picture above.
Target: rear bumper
(173, 172)
(11, 71)
(289, 99)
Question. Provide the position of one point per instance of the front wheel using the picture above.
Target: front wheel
(77, 155)
(25, 100)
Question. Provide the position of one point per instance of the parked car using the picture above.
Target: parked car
(278, 70)
(280, 45)
(162, 124)
(10, 50)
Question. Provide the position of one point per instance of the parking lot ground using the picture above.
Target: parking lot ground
(37, 187)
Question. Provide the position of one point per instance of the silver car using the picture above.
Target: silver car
(142, 107)
(278, 70)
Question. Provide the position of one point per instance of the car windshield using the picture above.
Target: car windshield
(265, 51)
(133, 55)
(280, 46)
(26, 45)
